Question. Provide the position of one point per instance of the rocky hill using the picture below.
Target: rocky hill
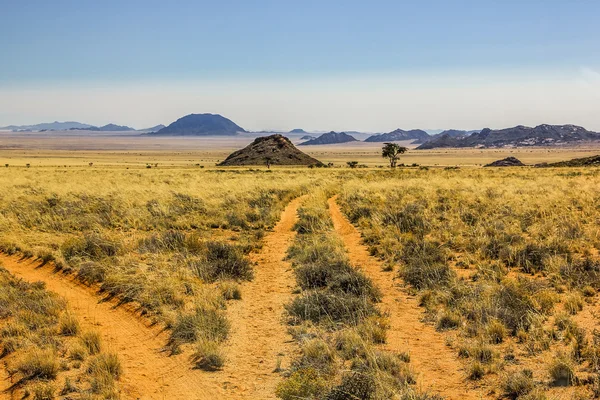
(518, 136)
(506, 162)
(274, 149)
(201, 125)
(330, 138)
(399, 135)
(593, 161)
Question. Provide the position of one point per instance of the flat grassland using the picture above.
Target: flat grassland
(167, 277)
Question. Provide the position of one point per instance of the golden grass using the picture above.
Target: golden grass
(505, 261)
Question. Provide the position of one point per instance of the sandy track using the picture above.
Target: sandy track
(259, 334)
(435, 363)
(149, 373)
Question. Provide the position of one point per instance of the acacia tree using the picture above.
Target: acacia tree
(268, 161)
(392, 152)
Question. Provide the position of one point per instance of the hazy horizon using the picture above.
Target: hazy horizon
(316, 66)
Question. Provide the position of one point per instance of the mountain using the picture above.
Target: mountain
(48, 126)
(453, 133)
(201, 125)
(399, 135)
(330, 138)
(152, 129)
(518, 136)
(297, 130)
(307, 137)
(276, 149)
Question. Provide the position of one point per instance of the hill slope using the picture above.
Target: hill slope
(152, 129)
(330, 138)
(275, 148)
(518, 136)
(576, 162)
(399, 135)
(201, 125)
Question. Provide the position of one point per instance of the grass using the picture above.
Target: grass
(162, 239)
(336, 320)
(495, 256)
(43, 344)
(504, 262)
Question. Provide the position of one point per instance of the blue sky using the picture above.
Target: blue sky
(50, 47)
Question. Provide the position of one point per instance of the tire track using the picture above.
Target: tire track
(436, 364)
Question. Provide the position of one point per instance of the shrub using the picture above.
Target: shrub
(204, 324)
(425, 265)
(476, 371)
(518, 384)
(42, 391)
(91, 272)
(316, 354)
(305, 383)
(230, 290)
(448, 320)
(350, 344)
(374, 329)
(561, 371)
(355, 385)
(573, 303)
(208, 356)
(38, 363)
(92, 342)
(68, 325)
(223, 261)
(172, 241)
(78, 352)
(91, 246)
(105, 364)
(496, 331)
(320, 306)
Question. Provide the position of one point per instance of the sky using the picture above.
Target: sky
(319, 65)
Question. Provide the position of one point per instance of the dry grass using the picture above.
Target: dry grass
(497, 255)
(505, 264)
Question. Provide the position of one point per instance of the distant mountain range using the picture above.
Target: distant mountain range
(399, 135)
(74, 126)
(330, 138)
(201, 125)
(106, 128)
(518, 136)
(48, 126)
(297, 130)
(152, 129)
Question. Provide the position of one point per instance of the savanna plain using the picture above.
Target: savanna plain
(155, 275)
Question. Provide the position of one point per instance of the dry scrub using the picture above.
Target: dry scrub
(44, 350)
(336, 322)
(502, 260)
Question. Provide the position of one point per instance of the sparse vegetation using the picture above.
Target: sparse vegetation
(504, 264)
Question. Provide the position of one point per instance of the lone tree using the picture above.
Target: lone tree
(268, 161)
(352, 164)
(392, 152)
